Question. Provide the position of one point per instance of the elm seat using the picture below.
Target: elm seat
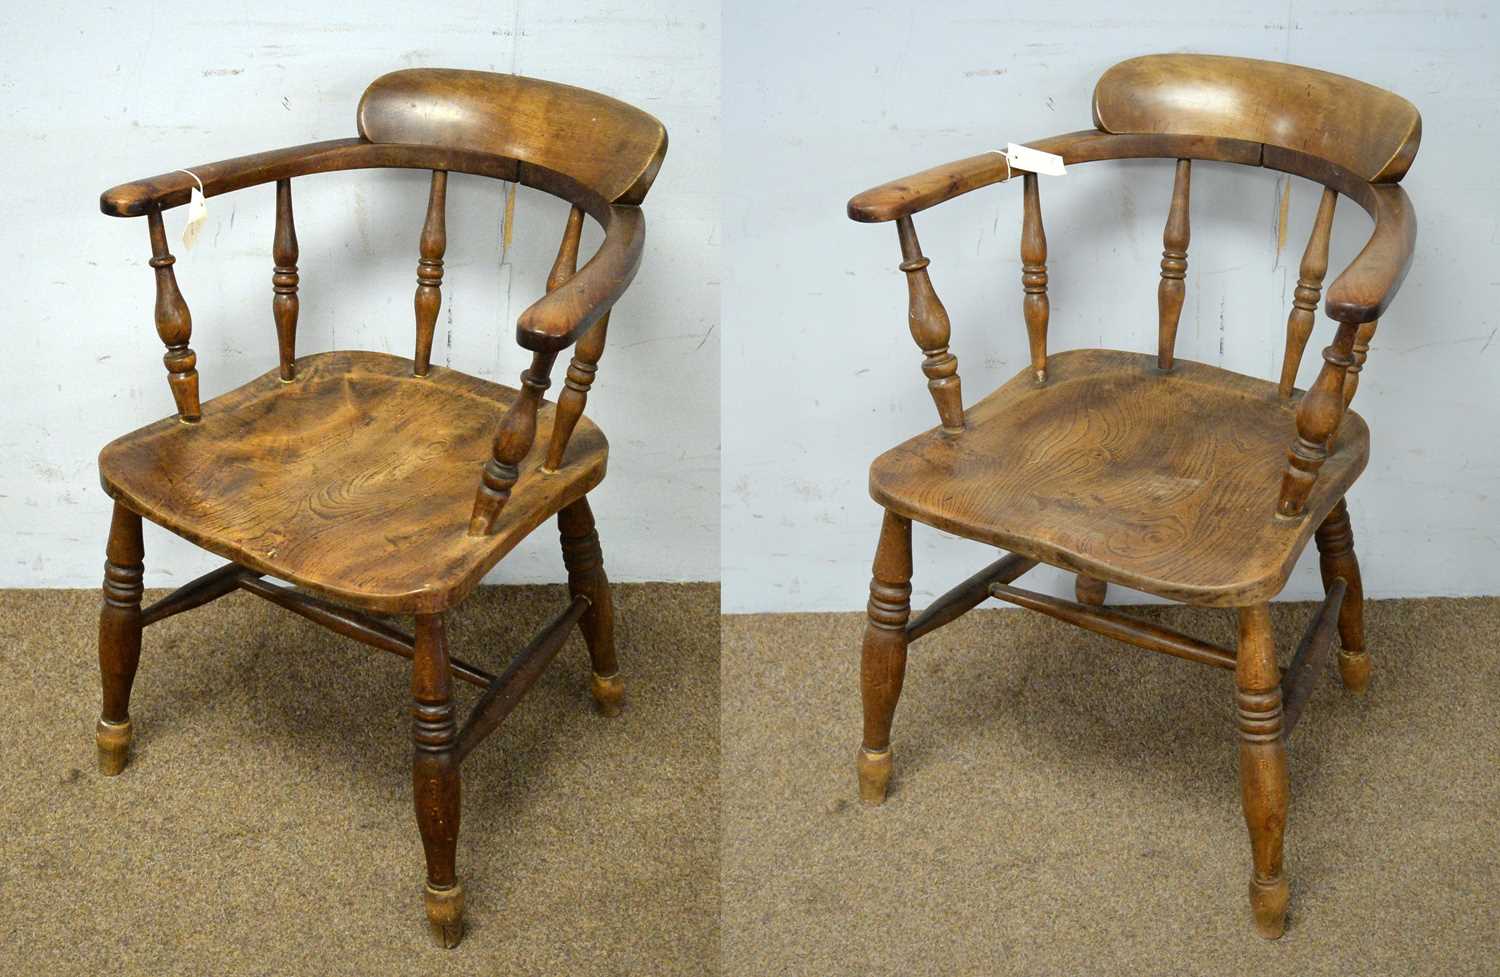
(356, 482)
(1114, 466)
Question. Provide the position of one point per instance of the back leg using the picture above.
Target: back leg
(119, 637)
(1336, 559)
(584, 559)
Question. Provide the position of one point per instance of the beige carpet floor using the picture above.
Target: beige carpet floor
(265, 825)
(1066, 805)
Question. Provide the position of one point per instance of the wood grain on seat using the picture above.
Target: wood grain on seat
(356, 481)
(1164, 481)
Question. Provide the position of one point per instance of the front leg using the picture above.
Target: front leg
(435, 777)
(119, 638)
(883, 660)
(1263, 775)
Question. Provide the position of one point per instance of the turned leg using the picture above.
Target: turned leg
(883, 662)
(1263, 777)
(585, 562)
(119, 637)
(1090, 590)
(435, 777)
(1336, 559)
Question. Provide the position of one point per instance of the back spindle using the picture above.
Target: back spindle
(585, 363)
(174, 324)
(1173, 287)
(284, 281)
(929, 327)
(1299, 323)
(429, 297)
(1034, 276)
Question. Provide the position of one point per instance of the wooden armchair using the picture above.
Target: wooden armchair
(379, 484)
(1171, 477)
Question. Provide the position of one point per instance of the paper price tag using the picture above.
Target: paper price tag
(1033, 160)
(197, 213)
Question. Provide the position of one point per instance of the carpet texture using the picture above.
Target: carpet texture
(265, 824)
(1066, 805)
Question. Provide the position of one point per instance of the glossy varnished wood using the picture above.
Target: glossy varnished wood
(883, 662)
(284, 280)
(1263, 770)
(1172, 477)
(1035, 307)
(522, 118)
(436, 780)
(355, 482)
(174, 324)
(1164, 482)
(120, 623)
(1336, 561)
(1172, 288)
(928, 321)
(1306, 667)
(429, 297)
(1367, 130)
(1299, 323)
(379, 483)
(1121, 627)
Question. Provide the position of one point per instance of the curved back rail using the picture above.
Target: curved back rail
(598, 154)
(1354, 139)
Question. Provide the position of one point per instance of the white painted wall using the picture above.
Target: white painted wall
(96, 95)
(821, 374)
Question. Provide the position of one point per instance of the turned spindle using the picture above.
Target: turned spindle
(1361, 350)
(1173, 287)
(284, 280)
(1263, 770)
(436, 781)
(517, 432)
(1318, 417)
(174, 324)
(883, 657)
(1034, 276)
(585, 363)
(929, 327)
(429, 297)
(1299, 323)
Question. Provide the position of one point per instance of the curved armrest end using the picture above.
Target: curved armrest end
(1365, 289)
(901, 198)
(175, 189)
(557, 319)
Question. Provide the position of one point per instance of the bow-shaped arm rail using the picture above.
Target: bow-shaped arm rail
(911, 194)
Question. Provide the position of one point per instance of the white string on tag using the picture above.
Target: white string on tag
(1031, 160)
(197, 213)
(1002, 155)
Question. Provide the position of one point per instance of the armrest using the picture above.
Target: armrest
(1364, 289)
(562, 315)
(902, 198)
(175, 189)
(907, 196)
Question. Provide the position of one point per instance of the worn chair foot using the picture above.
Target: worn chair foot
(874, 767)
(114, 747)
(1354, 668)
(445, 915)
(609, 693)
(1268, 902)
